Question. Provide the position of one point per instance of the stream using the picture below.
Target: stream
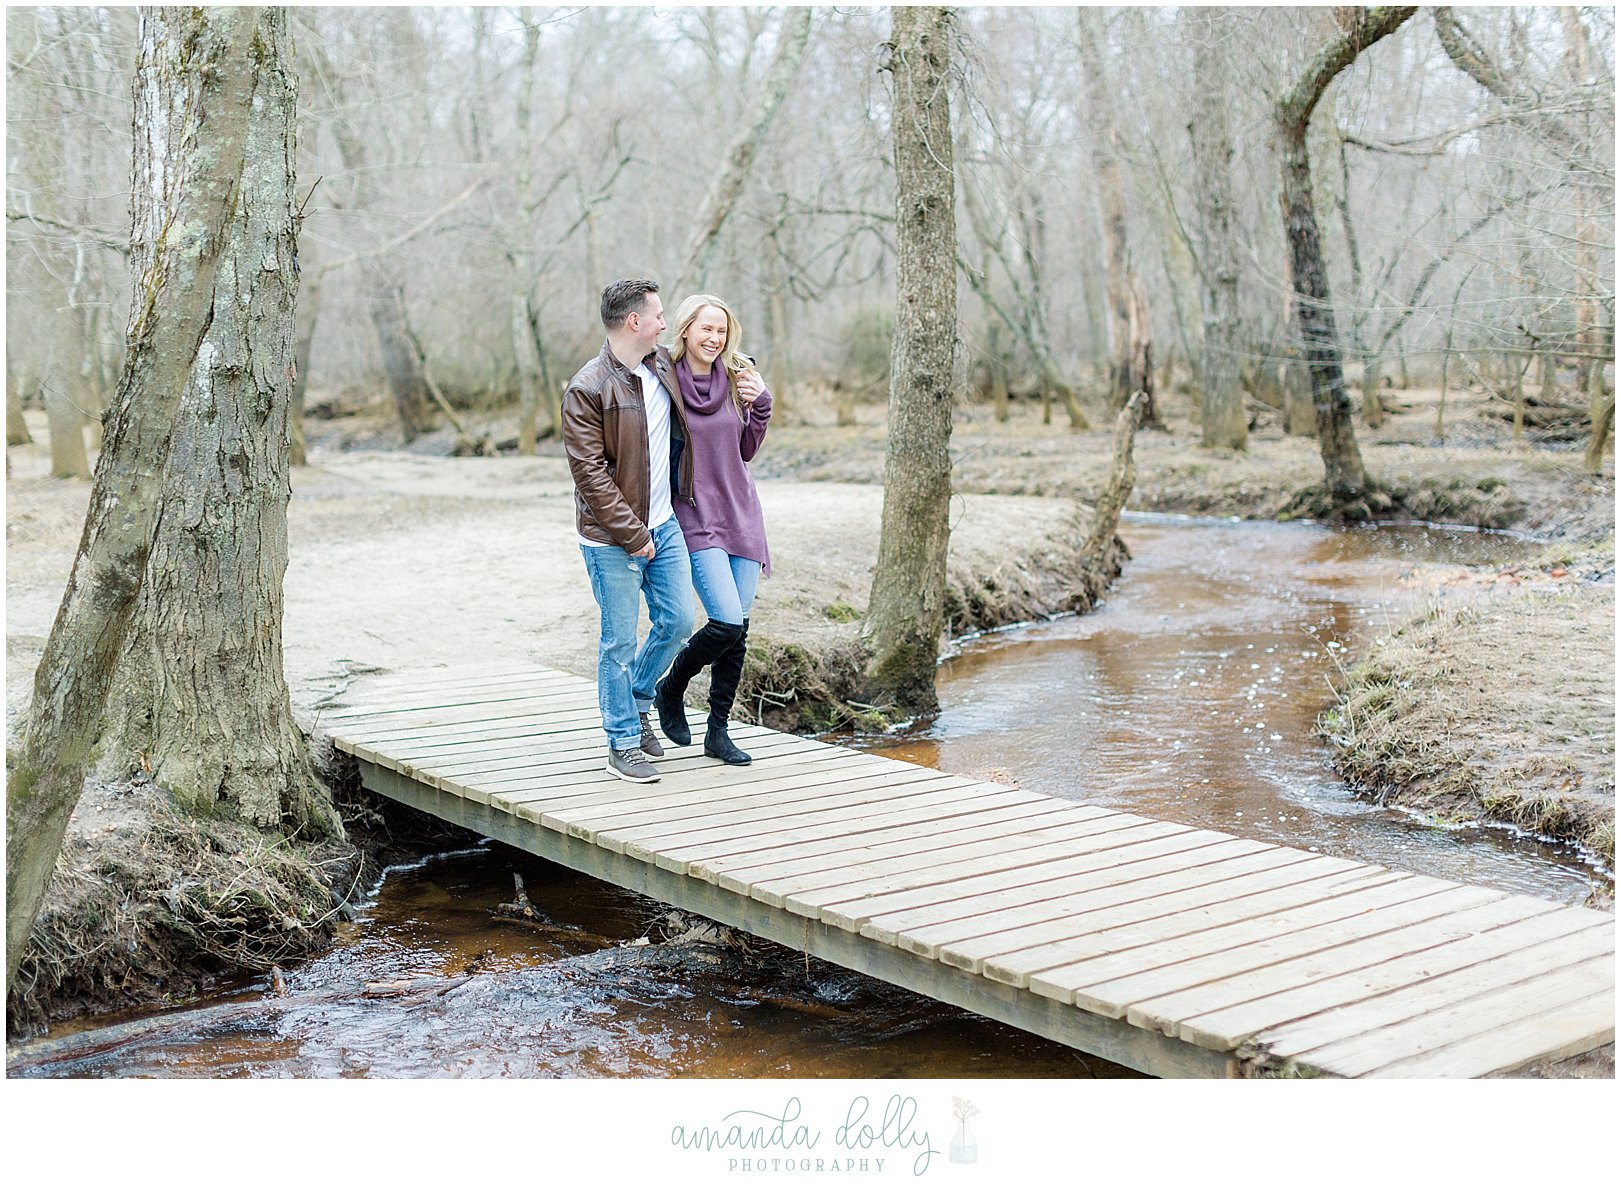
(1190, 694)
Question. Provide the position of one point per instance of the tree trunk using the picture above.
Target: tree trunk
(1373, 409)
(1112, 199)
(528, 392)
(1516, 380)
(779, 368)
(1548, 375)
(1140, 375)
(1345, 477)
(194, 89)
(521, 254)
(1111, 501)
(16, 424)
(66, 425)
(718, 205)
(1221, 398)
(200, 698)
(306, 317)
(1441, 402)
(405, 380)
(1601, 409)
(1589, 201)
(998, 376)
(906, 608)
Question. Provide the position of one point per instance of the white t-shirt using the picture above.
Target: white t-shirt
(657, 403)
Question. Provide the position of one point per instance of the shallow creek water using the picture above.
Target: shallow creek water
(1189, 695)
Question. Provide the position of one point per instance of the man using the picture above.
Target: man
(624, 434)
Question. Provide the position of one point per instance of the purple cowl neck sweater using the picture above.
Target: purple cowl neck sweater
(727, 513)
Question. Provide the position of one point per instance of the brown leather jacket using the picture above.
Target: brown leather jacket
(605, 435)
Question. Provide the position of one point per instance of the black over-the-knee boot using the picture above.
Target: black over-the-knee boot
(724, 674)
(707, 643)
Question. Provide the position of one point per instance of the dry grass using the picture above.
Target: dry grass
(149, 902)
(1503, 709)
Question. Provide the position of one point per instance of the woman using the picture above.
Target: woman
(727, 409)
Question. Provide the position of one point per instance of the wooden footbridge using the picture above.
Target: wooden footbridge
(1176, 951)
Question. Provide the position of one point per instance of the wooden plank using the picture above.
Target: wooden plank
(774, 803)
(841, 779)
(586, 746)
(543, 685)
(404, 686)
(689, 767)
(583, 739)
(1049, 916)
(863, 881)
(1398, 1048)
(1322, 953)
(846, 820)
(944, 802)
(1125, 847)
(1410, 987)
(798, 833)
(587, 804)
(861, 874)
(586, 809)
(1550, 1035)
(465, 721)
(1072, 979)
(597, 794)
(931, 840)
(505, 775)
(1150, 906)
(411, 750)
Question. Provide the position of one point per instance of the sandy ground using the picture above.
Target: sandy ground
(405, 561)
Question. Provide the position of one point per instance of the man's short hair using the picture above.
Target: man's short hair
(623, 297)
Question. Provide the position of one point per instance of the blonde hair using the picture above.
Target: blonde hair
(731, 356)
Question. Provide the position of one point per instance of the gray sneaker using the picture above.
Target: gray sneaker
(650, 742)
(631, 765)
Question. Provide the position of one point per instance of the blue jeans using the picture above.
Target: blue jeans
(726, 584)
(626, 677)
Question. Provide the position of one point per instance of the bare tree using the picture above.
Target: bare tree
(1346, 480)
(1222, 401)
(719, 203)
(906, 609)
(1107, 169)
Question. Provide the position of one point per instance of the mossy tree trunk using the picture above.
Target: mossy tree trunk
(200, 699)
(197, 76)
(906, 609)
(1345, 476)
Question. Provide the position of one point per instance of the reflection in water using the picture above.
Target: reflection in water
(1189, 695)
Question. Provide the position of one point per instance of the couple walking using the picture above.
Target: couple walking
(658, 441)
